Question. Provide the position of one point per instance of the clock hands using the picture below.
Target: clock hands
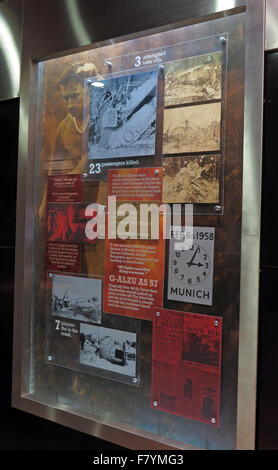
(191, 262)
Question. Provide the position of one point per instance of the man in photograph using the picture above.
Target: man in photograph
(67, 149)
(66, 154)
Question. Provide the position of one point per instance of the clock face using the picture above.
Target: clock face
(191, 267)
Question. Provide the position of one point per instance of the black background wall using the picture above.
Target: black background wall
(267, 435)
(8, 172)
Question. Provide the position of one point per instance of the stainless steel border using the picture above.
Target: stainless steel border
(11, 12)
(251, 224)
(126, 436)
(192, 13)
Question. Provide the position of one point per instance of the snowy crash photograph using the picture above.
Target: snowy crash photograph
(77, 298)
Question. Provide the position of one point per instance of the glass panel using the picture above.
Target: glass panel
(74, 337)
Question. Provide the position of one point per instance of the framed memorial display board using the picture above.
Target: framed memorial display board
(134, 255)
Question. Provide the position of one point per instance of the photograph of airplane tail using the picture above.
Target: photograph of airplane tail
(108, 349)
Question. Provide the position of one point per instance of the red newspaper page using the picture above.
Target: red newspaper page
(186, 368)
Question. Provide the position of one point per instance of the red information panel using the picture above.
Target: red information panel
(139, 184)
(63, 257)
(186, 371)
(64, 188)
(69, 223)
(134, 275)
(134, 268)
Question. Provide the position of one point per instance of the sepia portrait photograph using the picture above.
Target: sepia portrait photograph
(123, 116)
(191, 180)
(193, 79)
(192, 129)
(78, 298)
(108, 349)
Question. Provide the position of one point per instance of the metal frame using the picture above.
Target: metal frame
(127, 436)
(10, 48)
(251, 225)
(271, 29)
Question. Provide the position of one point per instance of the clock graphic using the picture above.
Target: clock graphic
(191, 267)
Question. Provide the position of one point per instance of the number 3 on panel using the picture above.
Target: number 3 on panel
(137, 61)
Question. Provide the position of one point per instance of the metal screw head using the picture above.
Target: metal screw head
(49, 358)
(155, 403)
(50, 275)
(134, 380)
(216, 323)
(222, 40)
(156, 172)
(217, 208)
(213, 420)
(157, 314)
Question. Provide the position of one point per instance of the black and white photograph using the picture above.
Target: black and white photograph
(108, 349)
(78, 298)
(123, 116)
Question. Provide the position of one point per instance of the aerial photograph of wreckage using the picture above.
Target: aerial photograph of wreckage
(123, 116)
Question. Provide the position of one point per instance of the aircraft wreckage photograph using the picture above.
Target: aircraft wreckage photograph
(123, 116)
